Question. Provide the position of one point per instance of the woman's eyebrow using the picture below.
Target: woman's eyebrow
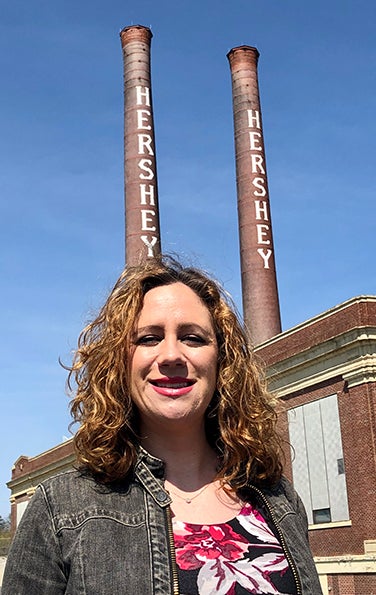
(150, 328)
(194, 327)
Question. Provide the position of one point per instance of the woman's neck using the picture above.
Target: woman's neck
(190, 461)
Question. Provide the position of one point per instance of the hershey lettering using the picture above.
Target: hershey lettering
(263, 231)
(146, 172)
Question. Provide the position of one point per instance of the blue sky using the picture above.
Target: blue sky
(61, 175)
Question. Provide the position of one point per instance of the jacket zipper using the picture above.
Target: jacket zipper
(283, 542)
(174, 568)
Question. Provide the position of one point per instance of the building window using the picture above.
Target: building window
(317, 460)
(340, 466)
(20, 508)
(322, 516)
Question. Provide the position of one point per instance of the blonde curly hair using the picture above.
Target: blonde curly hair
(240, 420)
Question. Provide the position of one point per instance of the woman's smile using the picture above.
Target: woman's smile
(172, 387)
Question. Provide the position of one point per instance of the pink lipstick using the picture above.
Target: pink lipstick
(172, 387)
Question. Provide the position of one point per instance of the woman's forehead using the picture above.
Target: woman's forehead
(176, 300)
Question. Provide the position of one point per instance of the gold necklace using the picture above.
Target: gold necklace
(189, 500)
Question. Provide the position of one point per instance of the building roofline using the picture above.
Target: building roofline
(42, 454)
(319, 317)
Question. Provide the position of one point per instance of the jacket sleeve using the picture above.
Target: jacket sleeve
(296, 537)
(297, 504)
(34, 565)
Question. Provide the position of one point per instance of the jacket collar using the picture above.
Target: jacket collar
(149, 471)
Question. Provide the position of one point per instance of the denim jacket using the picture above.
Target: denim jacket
(79, 537)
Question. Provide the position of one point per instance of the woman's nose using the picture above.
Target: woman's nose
(170, 352)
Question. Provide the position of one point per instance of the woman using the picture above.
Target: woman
(179, 486)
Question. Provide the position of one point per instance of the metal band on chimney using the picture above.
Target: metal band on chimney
(140, 171)
(259, 282)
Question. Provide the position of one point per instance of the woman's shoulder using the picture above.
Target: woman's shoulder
(283, 488)
(284, 499)
(72, 497)
(77, 480)
(282, 494)
(65, 487)
(72, 480)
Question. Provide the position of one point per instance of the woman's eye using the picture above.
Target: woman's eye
(149, 340)
(193, 340)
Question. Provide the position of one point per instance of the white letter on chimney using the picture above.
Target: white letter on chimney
(265, 257)
(140, 94)
(257, 162)
(262, 232)
(143, 119)
(144, 142)
(261, 210)
(150, 245)
(253, 121)
(145, 220)
(259, 183)
(254, 139)
(144, 165)
(145, 193)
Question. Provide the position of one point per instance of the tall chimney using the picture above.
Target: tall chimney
(140, 171)
(259, 281)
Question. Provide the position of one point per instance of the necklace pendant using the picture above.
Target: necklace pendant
(188, 500)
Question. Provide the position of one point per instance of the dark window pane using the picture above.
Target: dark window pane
(321, 515)
(341, 466)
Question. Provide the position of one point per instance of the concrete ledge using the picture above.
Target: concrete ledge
(332, 525)
(364, 564)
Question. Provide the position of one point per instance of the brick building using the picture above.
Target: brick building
(324, 371)
(28, 472)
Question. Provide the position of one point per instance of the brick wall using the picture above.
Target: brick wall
(357, 314)
(352, 584)
(26, 465)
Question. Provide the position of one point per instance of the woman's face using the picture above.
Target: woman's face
(174, 357)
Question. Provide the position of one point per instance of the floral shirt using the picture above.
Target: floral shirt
(234, 558)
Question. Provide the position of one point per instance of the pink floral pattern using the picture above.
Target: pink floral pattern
(225, 558)
(196, 544)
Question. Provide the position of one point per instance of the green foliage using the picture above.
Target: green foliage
(4, 527)
(5, 538)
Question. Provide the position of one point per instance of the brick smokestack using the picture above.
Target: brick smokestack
(140, 171)
(259, 281)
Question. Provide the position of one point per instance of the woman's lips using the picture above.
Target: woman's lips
(172, 387)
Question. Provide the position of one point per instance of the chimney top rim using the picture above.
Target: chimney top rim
(135, 27)
(139, 31)
(243, 48)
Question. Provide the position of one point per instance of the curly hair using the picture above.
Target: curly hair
(240, 420)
